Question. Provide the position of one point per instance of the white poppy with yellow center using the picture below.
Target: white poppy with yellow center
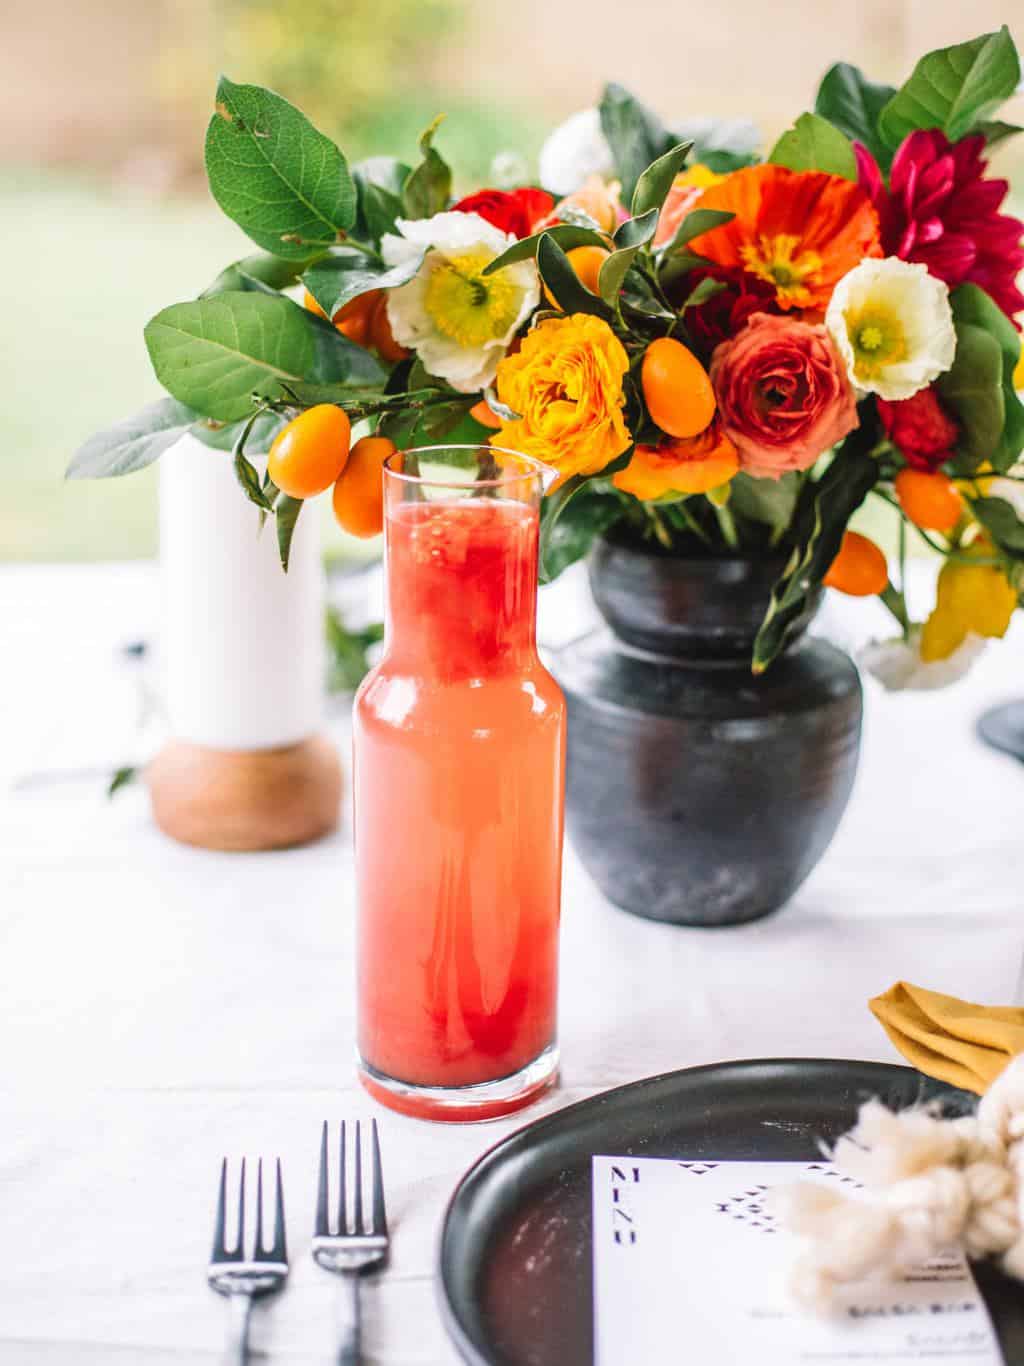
(893, 326)
(457, 319)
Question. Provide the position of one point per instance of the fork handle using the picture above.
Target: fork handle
(351, 1353)
(237, 1353)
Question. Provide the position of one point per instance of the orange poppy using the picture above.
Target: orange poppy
(693, 464)
(799, 230)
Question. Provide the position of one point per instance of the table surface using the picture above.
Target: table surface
(161, 1006)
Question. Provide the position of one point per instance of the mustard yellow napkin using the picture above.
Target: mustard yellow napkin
(964, 1044)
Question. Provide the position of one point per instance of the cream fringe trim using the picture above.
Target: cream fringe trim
(930, 1184)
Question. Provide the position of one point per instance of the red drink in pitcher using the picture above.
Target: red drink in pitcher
(459, 740)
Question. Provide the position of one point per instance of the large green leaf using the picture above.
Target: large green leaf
(571, 525)
(824, 511)
(853, 103)
(132, 444)
(428, 186)
(283, 182)
(654, 184)
(215, 353)
(636, 136)
(567, 235)
(347, 273)
(969, 385)
(954, 88)
(813, 144)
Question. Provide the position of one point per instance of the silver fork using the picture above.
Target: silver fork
(230, 1274)
(358, 1244)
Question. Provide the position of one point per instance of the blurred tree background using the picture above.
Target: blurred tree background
(103, 106)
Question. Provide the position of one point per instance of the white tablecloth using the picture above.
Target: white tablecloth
(161, 1006)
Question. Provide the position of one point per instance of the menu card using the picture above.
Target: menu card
(690, 1265)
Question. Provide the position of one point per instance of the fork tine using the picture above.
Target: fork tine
(380, 1218)
(342, 1185)
(259, 1209)
(322, 1229)
(279, 1252)
(357, 1216)
(240, 1245)
(219, 1250)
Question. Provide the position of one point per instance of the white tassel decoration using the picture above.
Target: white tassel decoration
(929, 1184)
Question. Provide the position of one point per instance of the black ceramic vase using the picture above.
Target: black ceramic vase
(697, 793)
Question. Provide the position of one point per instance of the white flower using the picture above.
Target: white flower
(739, 136)
(897, 664)
(893, 326)
(457, 319)
(575, 151)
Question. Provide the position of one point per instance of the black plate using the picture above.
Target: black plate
(515, 1260)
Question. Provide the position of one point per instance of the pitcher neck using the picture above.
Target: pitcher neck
(462, 588)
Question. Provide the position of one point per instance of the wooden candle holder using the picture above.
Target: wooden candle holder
(244, 800)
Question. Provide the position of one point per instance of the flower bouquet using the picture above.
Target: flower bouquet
(719, 352)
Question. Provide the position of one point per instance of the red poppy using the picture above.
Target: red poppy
(514, 211)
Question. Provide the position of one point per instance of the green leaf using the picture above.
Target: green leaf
(1000, 519)
(283, 182)
(973, 389)
(629, 238)
(286, 514)
(954, 88)
(568, 531)
(428, 186)
(567, 235)
(703, 290)
(970, 386)
(813, 144)
(722, 145)
(995, 131)
(347, 662)
(345, 274)
(638, 295)
(379, 182)
(122, 778)
(769, 501)
(636, 136)
(696, 222)
(261, 272)
(133, 443)
(654, 184)
(564, 284)
(821, 520)
(215, 353)
(220, 436)
(247, 476)
(853, 104)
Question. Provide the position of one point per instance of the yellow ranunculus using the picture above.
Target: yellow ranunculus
(566, 383)
(972, 599)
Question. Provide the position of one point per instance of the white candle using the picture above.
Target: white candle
(242, 646)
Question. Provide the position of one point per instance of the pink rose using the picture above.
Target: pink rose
(783, 394)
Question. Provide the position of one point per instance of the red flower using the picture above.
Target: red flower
(725, 313)
(921, 428)
(942, 210)
(514, 211)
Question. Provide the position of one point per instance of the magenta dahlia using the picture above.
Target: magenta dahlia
(942, 210)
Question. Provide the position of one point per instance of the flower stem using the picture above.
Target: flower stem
(728, 524)
(896, 604)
